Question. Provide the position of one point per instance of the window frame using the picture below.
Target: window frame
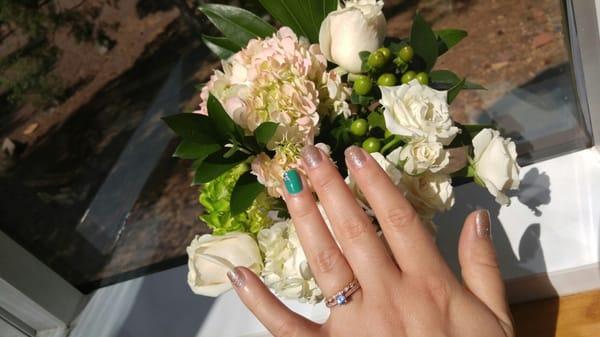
(583, 22)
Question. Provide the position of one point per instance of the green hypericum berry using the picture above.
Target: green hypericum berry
(423, 78)
(406, 53)
(371, 144)
(408, 76)
(376, 60)
(387, 80)
(362, 85)
(359, 127)
(386, 52)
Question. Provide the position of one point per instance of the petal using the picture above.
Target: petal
(351, 34)
(481, 141)
(325, 37)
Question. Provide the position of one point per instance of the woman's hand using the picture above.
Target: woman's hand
(409, 291)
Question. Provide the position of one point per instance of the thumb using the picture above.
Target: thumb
(479, 267)
(273, 314)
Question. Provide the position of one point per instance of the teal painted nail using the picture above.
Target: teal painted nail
(292, 181)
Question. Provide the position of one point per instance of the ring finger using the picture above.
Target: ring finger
(329, 266)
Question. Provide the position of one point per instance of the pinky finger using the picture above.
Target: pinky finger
(273, 314)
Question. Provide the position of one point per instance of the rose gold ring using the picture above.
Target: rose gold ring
(343, 296)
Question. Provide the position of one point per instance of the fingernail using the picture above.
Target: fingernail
(482, 224)
(355, 156)
(312, 156)
(292, 181)
(236, 277)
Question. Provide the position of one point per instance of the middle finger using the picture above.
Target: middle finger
(352, 228)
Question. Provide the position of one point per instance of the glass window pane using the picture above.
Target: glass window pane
(87, 180)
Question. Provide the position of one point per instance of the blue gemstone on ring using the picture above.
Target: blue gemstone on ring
(341, 299)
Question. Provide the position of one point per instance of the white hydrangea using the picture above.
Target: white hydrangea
(286, 269)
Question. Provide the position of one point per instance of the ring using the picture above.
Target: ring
(343, 296)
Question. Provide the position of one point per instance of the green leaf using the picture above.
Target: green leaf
(453, 92)
(448, 38)
(265, 132)
(470, 171)
(237, 24)
(328, 7)
(401, 65)
(339, 136)
(209, 171)
(194, 127)
(424, 42)
(216, 164)
(191, 150)
(444, 78)
(473, 86)
(223, 124)
(303, 16)
(221, 46)
(245, 191)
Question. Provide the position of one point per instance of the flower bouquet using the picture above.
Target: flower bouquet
(327, 77)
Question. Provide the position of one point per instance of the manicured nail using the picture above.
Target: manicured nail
(236, 277)
(482, 224)
(356, 156)
(312, 156)
(292, 181)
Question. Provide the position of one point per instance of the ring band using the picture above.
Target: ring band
(342, 296)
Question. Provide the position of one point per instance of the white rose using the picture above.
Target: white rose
(211, 257)
(392, 171)
(286, 269)
(495, 163)
(420, 155)
(416, 110)
(360, 26)
(429, 193)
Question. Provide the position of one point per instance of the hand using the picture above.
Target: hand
(409, 292)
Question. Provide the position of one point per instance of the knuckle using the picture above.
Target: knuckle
(439, 291)
(285, 328)
(255, 303)
(300, 212)
(326, 183)
(353, 229)
(485, 258)
(399, 219)
(326, 259)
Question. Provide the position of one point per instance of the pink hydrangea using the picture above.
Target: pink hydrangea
(282, 79)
